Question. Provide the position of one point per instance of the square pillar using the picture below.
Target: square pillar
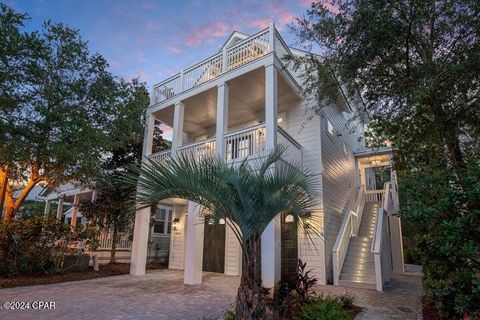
(271, 106)
(271, 254)
(142, 217)
(60, 209)
(76, 200)
(222, 119)
(194, 245)
(271, 237)
(177, 135)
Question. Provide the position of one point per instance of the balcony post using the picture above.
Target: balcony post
(142, 217)
(222, 119)
(271, 237)
(271, 37)
(182, 84)
(177, 136)
(224, 60)
(47, 207)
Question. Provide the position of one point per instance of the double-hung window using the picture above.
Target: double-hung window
(162, 221)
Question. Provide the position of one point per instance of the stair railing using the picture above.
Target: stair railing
(380, 243)
(352, 216)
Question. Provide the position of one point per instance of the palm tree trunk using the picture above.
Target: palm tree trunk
(114, 245)
(251, 295)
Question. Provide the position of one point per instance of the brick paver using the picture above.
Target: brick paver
(161, 294)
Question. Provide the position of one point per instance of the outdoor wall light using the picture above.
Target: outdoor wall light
(175, 223)
(289, 218)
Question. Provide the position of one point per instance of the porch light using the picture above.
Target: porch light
(175, 223)
(288, 218)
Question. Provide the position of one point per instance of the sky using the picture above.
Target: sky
(153, 40)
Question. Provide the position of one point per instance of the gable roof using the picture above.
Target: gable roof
(234, 37)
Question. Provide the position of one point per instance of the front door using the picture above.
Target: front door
(289, 248)
(214, 247)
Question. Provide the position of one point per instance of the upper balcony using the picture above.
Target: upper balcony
(240, 144)
(228, 59)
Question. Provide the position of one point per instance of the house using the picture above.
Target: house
(241, 101)
(63, 203)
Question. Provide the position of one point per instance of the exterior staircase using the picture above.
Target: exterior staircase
(359, 267)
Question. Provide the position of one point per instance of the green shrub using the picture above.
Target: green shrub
(448, 240)
(38, 245)
(229, 315)
(323, 309)
(347, 301)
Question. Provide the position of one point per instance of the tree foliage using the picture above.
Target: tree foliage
(61, 109)
(414, 66)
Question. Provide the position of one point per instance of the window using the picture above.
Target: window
(162, 221)
(330, 128)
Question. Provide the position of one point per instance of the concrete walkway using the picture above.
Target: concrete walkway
(161, 294)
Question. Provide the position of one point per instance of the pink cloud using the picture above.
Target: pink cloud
(207, 31)
(260, 23)
(174, 49)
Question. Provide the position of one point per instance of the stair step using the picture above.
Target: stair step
(355, 284)
(359, 271)
(357, 278)
(356, 264)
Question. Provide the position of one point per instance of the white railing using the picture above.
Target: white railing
(248, 50)
(351, 222)
(374, 195)
(160, 156)
(198, 150)
(244, 143)
(281, 48)
(293, 152)
(381, 239)
(167, 89)
(242, 53)
(202, 72)
(106, 240)
(239, 144)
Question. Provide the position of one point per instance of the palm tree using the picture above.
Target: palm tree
(247, 195)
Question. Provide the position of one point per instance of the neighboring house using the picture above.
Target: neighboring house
(240, 102)
(66, 199)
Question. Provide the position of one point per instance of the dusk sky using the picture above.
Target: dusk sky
(155, 39)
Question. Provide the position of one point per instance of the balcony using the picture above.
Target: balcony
(242, 53)
(239, 144)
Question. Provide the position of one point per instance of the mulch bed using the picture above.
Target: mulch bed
(107, 270)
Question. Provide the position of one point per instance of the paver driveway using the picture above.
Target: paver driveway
(161, 294)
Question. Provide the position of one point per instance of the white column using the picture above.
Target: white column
(271, 237)
(271, 106)
(142, 217)
(60, 208)
(76, 200)
(194, 245)
(47, 207)
(222, 118)
(177, 135)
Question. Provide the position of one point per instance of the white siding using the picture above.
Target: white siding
(177, 240)
(307, 133)
(339, 175)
